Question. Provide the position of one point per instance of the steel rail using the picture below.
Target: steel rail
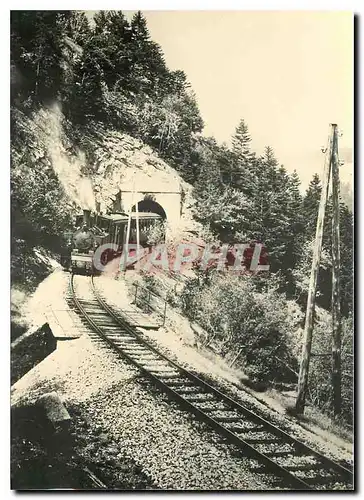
(270, 465)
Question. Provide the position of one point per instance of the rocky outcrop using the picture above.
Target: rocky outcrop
(30, 349)
(107, 161)
(123, 162)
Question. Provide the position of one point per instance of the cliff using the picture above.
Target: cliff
(114, 162)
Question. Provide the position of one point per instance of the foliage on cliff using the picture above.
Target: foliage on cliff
(110, 72)
(111, 79)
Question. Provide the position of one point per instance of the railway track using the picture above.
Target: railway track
(291, 463)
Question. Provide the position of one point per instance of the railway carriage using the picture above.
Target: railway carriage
(94, 229)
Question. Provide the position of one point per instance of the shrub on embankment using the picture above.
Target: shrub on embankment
(40, 208)
(247, 317)
(239, 317)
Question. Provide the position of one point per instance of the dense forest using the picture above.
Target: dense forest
(110, 75)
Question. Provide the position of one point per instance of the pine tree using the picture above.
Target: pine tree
(102, 74)
(347, 195)
(311, 203)
(101, 20)
(78, 27)
(226, 161)
(347, 259)
(37, 45)
(244, 175)
(85, 100)
(295, 228)
(115, 54)
(269, 157)
(241, 143)
(310, 211)
(295, 202)
(268, 220)
(209, 174)
(149, 69)
(275, 220)
(174, 82)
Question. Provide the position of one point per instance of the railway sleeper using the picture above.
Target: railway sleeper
(193, 393)
(121, 345)
(275, 454)
(224, 413)
(131, 351)
(134, 356)
(247, 426)
(155, 367)
(110, 325)
(130, 345)
(100, 318)
(147, 356)
(227, 418)
(119, 336)
(178, 382)
(158, 363)
(202, 397)
(88, 302)
(322, 480)
(183, 391)
(165, 374)
(98, 313)
(135, 346)
(304, 467)
(274, 440)
(213, 405)
(312, 473)
(224, 409)
(169, 378)
(159, 370)
(144, 359)
(118, 331)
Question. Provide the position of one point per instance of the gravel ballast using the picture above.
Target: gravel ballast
(173, 343)
(172, 450)
(134, 421)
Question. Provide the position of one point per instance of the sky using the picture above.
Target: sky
(288, 74)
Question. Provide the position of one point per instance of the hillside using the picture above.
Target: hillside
(95, 108)
(114, 161)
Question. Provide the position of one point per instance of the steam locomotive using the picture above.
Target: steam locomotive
(94, 229)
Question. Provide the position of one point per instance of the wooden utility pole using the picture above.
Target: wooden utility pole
(306, 349)
(336, 316)
(128, 227)
(137, 224)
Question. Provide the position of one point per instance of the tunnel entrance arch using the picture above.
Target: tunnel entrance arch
(152, 229)
(151, 206)
(165, 201)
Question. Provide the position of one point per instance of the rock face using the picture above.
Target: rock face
(115, 165)
(30, 349)
(125, 165)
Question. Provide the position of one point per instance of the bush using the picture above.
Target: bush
(319, 382)
(238, 317)
(40, 207)
(155, 233)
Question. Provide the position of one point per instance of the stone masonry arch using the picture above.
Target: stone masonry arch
(149, 204)
(169, 202)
